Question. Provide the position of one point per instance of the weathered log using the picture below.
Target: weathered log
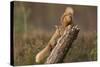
(63, 45)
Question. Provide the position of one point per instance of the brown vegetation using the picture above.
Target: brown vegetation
(84, 48)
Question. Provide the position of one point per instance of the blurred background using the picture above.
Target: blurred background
(34, 25)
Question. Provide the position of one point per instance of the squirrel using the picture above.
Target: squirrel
(66, 19)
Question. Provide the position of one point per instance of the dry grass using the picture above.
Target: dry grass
(25, 50)
(83, 49)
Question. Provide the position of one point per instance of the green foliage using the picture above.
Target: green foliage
(93, 54)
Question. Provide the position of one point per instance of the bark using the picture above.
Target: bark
(64, 43)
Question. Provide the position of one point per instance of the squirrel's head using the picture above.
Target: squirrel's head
(69, 11)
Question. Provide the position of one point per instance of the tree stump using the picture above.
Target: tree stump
(64, 43)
